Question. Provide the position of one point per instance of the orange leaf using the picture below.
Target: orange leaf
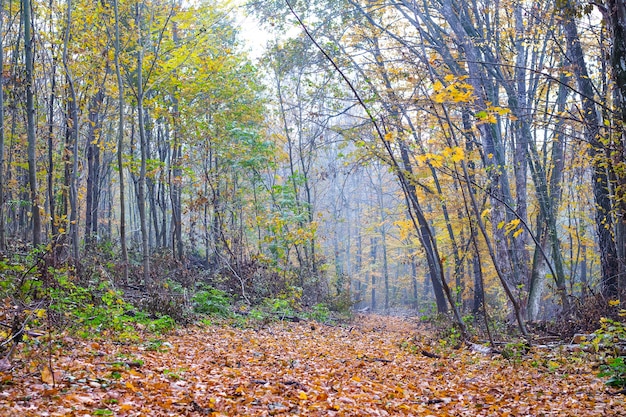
(126, 407)
(46, 375)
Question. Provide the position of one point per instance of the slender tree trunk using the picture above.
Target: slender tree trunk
(72, 126)
(176, 173)
(584, 284)
(397, 112)
(519, 244)
(175, 191)
(424, 233)
(479, 291)
(383, 235)
(292, 163)
(30, 124)
(141, 191)
(537, 280)
(493, 150)
(152, 219)
(51, 104)
(93, 170)
(14, 223)
(415, 303)
(505, 284)
(120, 144)
(2, 188)
(164, 175)
(373, 250)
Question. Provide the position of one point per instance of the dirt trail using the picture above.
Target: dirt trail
(373, 367)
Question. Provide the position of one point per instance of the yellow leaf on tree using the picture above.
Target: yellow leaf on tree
(439, 98)
(406, 227)
(435, 160)
(457, 154)
(512, 225)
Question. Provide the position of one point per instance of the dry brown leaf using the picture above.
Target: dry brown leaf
(5, 365)
(50, 378)
(47, 375)
(289, 368)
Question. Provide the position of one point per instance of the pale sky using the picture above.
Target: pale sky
(251, 32)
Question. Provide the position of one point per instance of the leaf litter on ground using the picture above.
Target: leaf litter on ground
(376, 366)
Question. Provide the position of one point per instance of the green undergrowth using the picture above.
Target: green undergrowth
(610, 339)
(46, 308)
(40, 302)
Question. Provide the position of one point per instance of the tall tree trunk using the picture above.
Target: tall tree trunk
(164, 152)
(30, 124)
(537, 280)
(176, 173)
(93, 170)
(415, 303)
(383, 235)
(493, 150)
(292, 162)
(72, 126)
(600, 179)
(120, 143)
(141, 191)
(373, 250)
(397, 113)
(617, 25)
(2, 188)
(153, 216)
(479, 290)
(14, 223)
(505, 284)
(51, 104)
(519, 244)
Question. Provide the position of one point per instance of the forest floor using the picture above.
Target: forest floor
(373, 366)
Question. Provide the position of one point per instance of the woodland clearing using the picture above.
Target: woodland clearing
(379, 366)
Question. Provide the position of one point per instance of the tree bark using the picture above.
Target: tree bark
(30, 124)
(93, 170)
(600, 179)
(141, 190)
(2, 185)
(72, 125)
(617, 25)
(120, 144)
(176, 176)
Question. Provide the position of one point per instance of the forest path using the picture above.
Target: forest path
(375, 366)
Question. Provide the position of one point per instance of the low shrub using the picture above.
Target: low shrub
(211, 301)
